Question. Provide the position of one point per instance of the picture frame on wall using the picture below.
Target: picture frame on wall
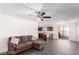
(40, 28)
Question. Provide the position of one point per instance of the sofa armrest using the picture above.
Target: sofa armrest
(11, 47)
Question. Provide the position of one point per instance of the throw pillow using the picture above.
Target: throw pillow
(14, 40)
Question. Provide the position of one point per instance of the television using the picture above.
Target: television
(49, 28)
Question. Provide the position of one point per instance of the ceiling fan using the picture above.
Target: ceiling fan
(41, 15)
(38, 14)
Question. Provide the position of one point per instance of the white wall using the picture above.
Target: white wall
(11, 26)
(55, 31)
(73, 30)
(78, 31)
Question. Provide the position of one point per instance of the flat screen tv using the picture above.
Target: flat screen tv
(49, 28)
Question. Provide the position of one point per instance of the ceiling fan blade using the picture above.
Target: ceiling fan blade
(30, 15)
(29, 8)
(34, 16)
(46, 16)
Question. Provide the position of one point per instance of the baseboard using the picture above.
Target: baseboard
(3, 52)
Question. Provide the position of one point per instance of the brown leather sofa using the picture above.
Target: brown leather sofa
(25, 43)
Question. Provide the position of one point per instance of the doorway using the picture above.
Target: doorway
(63, 32)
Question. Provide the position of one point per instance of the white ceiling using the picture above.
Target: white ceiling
(19, 9)
(62, 11)
(58, 11)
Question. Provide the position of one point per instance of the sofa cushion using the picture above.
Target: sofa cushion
(21, 45)
(29, 37)
(26, 44)
(29, 43)
(24, 38)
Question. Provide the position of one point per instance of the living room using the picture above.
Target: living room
(47, 26)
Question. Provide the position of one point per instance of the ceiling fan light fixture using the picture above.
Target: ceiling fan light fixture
(38, 19)
(43, 13)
